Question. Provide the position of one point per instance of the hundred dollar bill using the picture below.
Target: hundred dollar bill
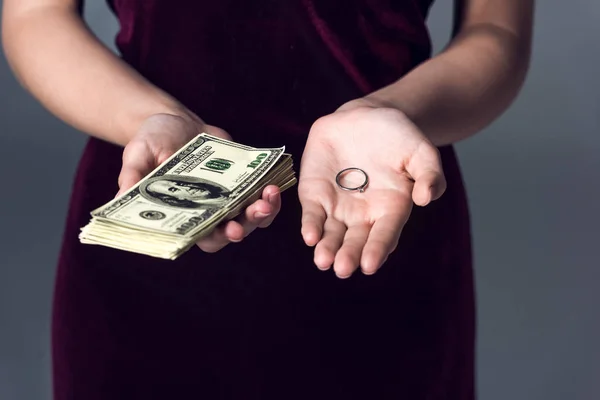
(206, 181)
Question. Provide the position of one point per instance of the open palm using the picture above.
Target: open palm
(352, 229)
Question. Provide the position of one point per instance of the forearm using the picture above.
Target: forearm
(59, 61)
(463, 89)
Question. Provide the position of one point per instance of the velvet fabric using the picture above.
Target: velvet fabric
(257, 320)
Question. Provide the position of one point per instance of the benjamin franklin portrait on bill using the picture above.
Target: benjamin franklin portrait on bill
(184, 192)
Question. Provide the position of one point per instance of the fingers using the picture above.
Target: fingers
(330, 243)
(273, 196)
(425, 167)
(259, 214)
(382, 240)
(230, 231)
(362, 245)
(313, 219)
(348, 258)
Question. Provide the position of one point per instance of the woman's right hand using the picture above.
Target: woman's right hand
(158, 138)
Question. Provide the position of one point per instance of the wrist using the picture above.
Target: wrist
(369, 101)
(130, 121)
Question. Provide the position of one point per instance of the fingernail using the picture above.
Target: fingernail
(261, 215)
(343, 276)
(367, 272)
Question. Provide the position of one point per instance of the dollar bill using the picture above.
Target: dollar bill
(207, 181)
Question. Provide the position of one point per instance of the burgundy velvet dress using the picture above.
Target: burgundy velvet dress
(258, 320)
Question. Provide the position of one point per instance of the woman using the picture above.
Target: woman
(340, 84)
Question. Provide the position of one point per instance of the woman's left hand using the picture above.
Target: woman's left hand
(351, 229)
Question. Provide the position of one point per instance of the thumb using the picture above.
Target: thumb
(425, 167)
(138, 161)
(218, 132)
(127, 179)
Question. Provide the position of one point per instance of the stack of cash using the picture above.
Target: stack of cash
(208, 181)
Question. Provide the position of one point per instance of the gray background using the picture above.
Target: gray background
(533, 185)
